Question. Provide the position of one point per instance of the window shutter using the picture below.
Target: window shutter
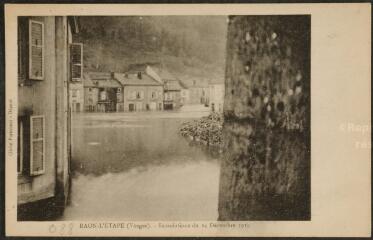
(36, 50)
(22, 49)
(37, 145)
(76, 58)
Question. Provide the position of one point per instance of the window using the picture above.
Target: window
(102, 95)
(36, 50)
(119, 90)
(22, 49)
(76, 58)
(73, 93)
(139, 94)
(154, 95)
(37, 145)
(90, 89)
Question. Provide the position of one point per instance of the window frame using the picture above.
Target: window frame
(42, 171)
(30, 45)
(81, 63)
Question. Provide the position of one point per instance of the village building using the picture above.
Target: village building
(150, 69)
(172, 89)
(90, 94)
(76, 96)
(47, 63)
(199, 92)
(141, 92)
(104, 92)
(216, 96)
(172, 94)
(185, 98)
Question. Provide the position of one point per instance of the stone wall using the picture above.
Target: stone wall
(265, 172)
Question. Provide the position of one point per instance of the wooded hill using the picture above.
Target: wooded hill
(191, 47)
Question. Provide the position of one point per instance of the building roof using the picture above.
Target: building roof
(100, 80)
(133, 80)
(99, 75)
(110, 83)
(173, 85)
(183, 85)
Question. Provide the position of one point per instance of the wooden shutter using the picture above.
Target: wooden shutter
(22, 49)
(37, 145)
(76, 57)
(36, 50)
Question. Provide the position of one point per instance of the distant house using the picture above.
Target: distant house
(216, 96)
(172, 89)
(141, 91)
(185, 98)
(76, 96)
(150, 69)
(76, 92)
(104, 92)
(172, 94)
(199, 92)
(90, 94)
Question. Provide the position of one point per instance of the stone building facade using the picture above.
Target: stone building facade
(265, 174)
(45, 72)
(141, 92)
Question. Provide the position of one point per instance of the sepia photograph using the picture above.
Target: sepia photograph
(141, 121)
(164, 117)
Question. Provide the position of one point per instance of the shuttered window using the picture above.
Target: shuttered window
(37, 145)
(76, 57)
(36, 50)
(22, 49)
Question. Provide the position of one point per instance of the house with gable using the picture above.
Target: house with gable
(103, 92)
(142, 90)
(90, 94)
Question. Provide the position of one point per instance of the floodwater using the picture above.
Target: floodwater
(136, 166)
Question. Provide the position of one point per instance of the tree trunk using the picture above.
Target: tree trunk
(265, 173)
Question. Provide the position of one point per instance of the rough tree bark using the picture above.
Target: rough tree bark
(265, 173)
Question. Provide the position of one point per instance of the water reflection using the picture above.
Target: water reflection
(140, 169)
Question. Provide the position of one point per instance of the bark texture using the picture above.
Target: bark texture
(265, 173)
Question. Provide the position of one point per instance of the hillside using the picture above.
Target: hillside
(191, 47)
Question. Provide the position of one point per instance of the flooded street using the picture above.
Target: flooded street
(136, 166)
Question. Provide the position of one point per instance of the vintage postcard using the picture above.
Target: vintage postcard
(188, 120)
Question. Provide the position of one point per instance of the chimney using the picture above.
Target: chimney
(139, 76)
(112, 75)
